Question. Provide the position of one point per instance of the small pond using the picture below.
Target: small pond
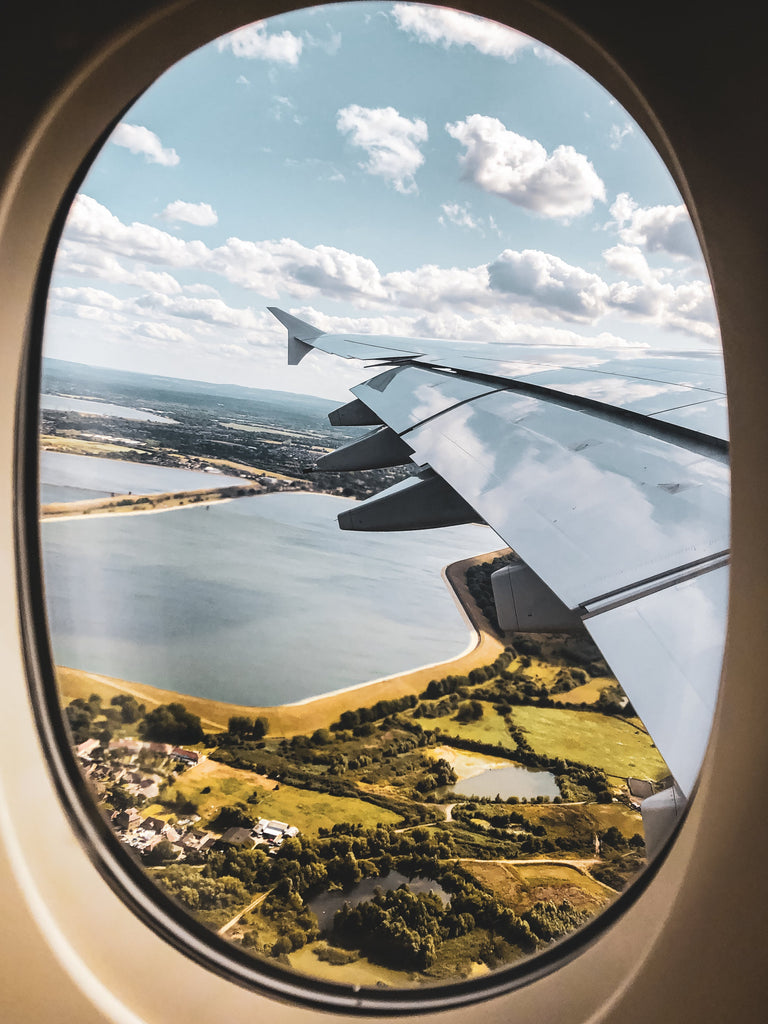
(327, 903)
(511, 780)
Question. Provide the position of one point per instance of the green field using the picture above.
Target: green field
(303, 808)
(608, 743)
(582, 820)
(308, 811)
(491, 728)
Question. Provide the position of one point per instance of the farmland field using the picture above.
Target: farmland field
(608, 743)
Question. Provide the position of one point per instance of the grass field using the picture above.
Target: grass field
(582, 819)
(303, 808)
(608, 743)
(78, 446)
(491, 728)
(586, 694)
(308, 810)
(522, 885)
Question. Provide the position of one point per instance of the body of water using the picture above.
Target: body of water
(326, 904)
(95, 408)
(261, 600)
(511, 780)
(66, 477)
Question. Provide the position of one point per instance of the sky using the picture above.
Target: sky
(371, 167)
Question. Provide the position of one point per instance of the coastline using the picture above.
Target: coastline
(304, 716)
(167, 501)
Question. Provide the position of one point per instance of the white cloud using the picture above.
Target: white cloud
(87, 260)
(255, 43)
(628, 260)
(452, 28)
(455, 213)
(390, 140)
(202, 215)
(87, 296)
(687, 307)
(549, 284)
(430, 287)
(210, 311)
(91, 222)
(138, 139)
(656, 228)
(162, 332)
(269, 266)
(283, 107)
(618, 133)
(562, 184)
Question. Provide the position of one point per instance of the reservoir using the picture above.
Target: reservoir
(262, 600)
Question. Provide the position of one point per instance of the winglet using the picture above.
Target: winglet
(300, 335)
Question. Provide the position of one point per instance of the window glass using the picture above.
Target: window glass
(391, 758)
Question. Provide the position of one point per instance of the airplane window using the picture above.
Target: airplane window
(383, 502)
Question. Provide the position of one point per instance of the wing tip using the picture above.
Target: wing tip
(300, 334)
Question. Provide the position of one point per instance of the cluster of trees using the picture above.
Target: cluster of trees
(167, 723)
(437, 688)
(398, 928)
(242, 727)
(478, 579)
(441, 773)
(92, 719)
(381, 709)
(171, 723)
(198, 891)
(405, 929)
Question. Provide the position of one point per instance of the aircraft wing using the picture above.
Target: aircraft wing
(606, 471)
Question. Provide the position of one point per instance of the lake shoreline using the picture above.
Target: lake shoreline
(306, 715)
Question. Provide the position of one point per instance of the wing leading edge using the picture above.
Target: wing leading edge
(606, 472)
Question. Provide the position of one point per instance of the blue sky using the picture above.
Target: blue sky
(380, 167)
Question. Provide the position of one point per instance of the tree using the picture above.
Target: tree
(232, 817)
(469, 711)
(240, 725)
(161, 854)
(171, 723)
(260, 727)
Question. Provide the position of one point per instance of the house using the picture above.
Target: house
(237, 837)
(159, 748)
(126, 820)
(86, 748)
(196, 840)
(148, 789)
(187, 756)
(150, 824)
(127, 745)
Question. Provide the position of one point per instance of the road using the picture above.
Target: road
(246, 910)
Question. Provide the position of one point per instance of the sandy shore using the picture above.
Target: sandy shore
(141, 504)
(317, 712)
